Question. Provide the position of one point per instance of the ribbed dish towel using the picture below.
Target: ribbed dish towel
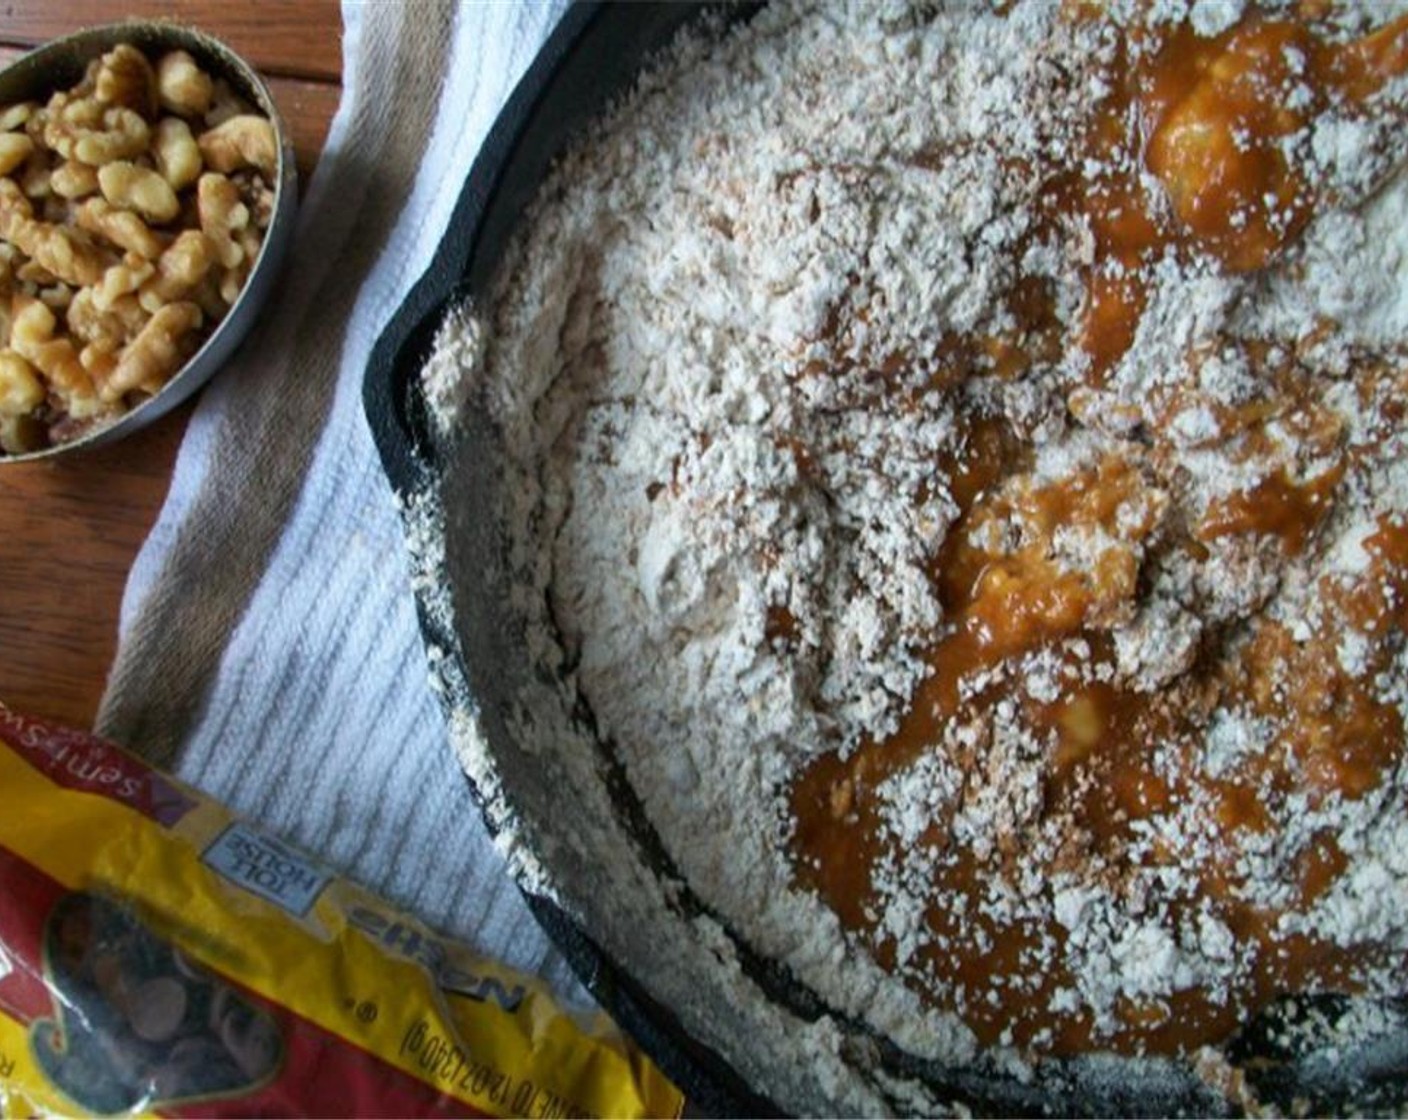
(269, 651)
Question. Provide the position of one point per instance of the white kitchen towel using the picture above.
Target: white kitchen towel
(269, 651)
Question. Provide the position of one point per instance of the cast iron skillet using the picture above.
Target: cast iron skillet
(594, 54)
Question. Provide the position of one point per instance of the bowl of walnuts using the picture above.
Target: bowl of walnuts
(147, 197)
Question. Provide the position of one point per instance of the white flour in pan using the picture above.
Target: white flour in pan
(722, 523)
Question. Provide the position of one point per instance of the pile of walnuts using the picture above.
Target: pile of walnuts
(132, 208)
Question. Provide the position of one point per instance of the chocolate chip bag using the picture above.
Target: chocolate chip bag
(160, 956)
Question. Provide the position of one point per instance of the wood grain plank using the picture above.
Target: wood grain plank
(71, 528)
(307, 109)
(291, 38)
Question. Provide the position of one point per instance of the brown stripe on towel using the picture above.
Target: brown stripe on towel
(288, 373)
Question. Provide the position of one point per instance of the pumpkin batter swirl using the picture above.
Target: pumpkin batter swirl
(1159, 749)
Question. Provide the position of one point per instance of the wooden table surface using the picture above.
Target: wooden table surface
(70, 529)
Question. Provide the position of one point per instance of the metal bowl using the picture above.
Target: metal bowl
(60, 64)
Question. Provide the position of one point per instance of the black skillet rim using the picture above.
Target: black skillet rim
(394, 412)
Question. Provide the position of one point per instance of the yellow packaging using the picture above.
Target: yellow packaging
(159, 955)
